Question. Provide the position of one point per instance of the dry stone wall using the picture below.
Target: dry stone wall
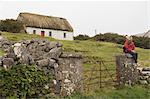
(71, 67)
(144, 75)
(128, 72)
(66, 68)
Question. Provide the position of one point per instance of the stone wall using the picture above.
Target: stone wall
(144, 75)
(71, 67)
(127, 72)
(49, 56)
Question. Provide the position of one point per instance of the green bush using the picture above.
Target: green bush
(10, 25)
(143, 42)
(24, 81)
(82, 37)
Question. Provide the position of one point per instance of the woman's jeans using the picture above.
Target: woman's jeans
(134, 55)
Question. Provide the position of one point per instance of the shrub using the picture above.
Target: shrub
(82, 37)
(10, 25)
(24, 81)
(143, 42)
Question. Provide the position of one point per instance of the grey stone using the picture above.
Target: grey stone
(44, 62)
(54, 53)
(1, 38)
(143, 77)
(59, 44)
(51, 62)
(145, 73)
(26, 59)
(11, 54)
(71, 55)
(146, 69)
(52, 45)
(7, 62)
(31, 60)
(148, 80)
(143, 82)
(19, 49)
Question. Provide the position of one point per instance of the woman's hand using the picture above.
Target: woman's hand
(133, 51)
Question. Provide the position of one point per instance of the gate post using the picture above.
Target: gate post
(126, 70)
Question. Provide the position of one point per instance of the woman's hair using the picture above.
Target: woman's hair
(129, 38)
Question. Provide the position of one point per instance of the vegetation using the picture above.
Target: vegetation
(143, 42)
(10, 25)
(94, 50)
(23, 81)
(82, 37)
(21, 36)
(1, 52)
(126, 92)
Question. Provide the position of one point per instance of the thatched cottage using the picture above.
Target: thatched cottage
(55, 27)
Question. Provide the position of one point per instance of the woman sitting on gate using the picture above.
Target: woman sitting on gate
(129, 47)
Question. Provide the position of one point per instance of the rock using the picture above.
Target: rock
(52, 63)
(1, 37)
(148, 80)
(67, 81)
(71, 55)
(55, 65)
(146, 69)
(46, 49)
(26, 59)
(59, 44)
(11, 54)
(7, 62)
(143, 82)
(31, 60)
(144, 77)
(54, 53)
(18, 49)
(52, 45)
(44, 62)
(145, 73)
(54, 81)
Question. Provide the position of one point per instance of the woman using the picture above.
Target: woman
(129, 47)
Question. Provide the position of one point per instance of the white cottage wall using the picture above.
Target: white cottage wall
(57, 34)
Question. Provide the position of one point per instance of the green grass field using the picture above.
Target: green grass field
(105, 50)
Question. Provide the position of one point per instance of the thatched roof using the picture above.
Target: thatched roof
(46, 22)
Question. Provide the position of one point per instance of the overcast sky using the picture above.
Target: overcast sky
(124, 17)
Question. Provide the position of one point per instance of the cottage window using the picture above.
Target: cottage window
(50, 33)
(34, 31)
(64, 35)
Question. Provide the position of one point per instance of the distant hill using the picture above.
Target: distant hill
(147, 34)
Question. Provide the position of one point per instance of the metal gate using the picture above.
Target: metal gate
(100, 75)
